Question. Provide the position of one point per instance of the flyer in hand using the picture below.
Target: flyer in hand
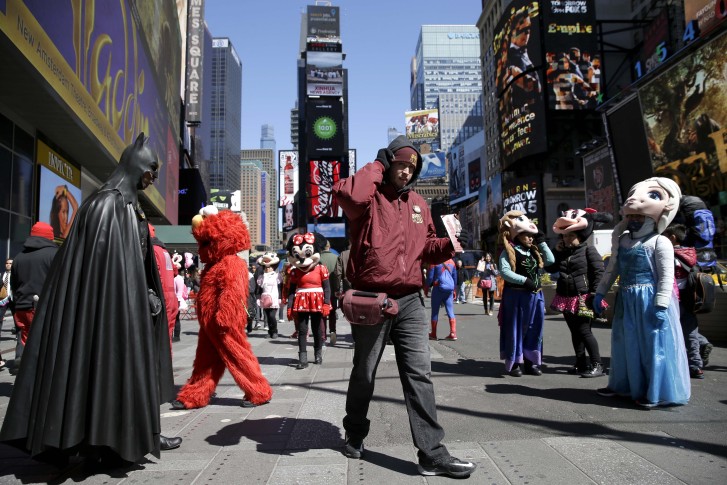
(451, 223)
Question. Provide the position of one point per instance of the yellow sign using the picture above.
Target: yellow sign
(50, 159)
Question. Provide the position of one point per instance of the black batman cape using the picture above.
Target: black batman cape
(97, 366)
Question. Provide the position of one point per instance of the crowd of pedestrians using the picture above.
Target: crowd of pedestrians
(394, 250)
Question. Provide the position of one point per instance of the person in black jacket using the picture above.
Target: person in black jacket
(580, 268)
(27, 277)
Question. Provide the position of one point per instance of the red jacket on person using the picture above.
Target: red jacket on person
(391, 233)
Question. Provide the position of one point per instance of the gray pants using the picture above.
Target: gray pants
(409, 334)
(689, 324)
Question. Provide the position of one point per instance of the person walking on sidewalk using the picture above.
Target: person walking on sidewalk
(522, 309)
(488, 283)
(5, 295)
(29, 272)
(392, 234)
(442, 279)
(463, 276)
(329, 260)
(580, 268)
(267, 292)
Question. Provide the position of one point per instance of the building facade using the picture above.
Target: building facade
(267, 160)
(251, 199)
(267, 137)
(226, 117)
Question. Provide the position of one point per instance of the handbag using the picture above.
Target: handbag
(266, 300)
(585, 306)
(485, 283)
(368, 308)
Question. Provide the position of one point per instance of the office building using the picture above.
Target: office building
(267, 137)
(225, 99)
(251, 199)
(266, 158)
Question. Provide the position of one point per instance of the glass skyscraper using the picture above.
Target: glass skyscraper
(226, 101)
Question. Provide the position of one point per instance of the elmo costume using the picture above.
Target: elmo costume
(221, 313)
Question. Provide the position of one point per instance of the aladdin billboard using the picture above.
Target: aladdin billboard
(100, 62)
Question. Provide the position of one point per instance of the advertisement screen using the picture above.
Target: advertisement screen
(289, 216)
(600, 183)
(517, 46)
(434, 166)
(330, 230)
(325, 135)
(573, 71)
(222, 199)
(323, 174)
(707, 13)
(685, 117)
(324, 22)
(525, 195)
(60, 192)
(288, 182)
(324, 74)
(521, 106)
(491, 204)
(422, 126)
(657, 45)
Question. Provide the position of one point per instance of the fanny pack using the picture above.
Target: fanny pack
(368, 308)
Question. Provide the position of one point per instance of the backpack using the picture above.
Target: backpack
(446, 282)
(700, 290)
(700, 229)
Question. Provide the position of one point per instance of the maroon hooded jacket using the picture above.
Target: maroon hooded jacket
(391, 232)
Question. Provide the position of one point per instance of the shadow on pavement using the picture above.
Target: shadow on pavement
(302, 434)
(393, 463)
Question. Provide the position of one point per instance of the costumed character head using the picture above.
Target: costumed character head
(188, 260)
(269, 260)
(137, 169)
(304, 250)
(219, 234)
(650, 206)
(516, 228)
(581, 222)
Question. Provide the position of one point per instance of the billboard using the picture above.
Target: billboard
(685, 117)
(434, 166)
(525, 195)
(490, 200)
(322, 175)
(325, 133)
(324, 22)
(519, 83)
(288, 176)
(195, 45)
(573, 71)
(60, 191)
(289, 216)
(601, 191)
(107, 76)
(422, 126)
(351, 161)
(706, 14)
(324, 73)
(222, 199)
(657, 45)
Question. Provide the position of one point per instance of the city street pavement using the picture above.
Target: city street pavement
(552, 429)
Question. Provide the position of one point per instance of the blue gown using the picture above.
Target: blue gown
(648, 362)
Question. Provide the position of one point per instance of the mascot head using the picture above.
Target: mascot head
(656, 198)
(304, 250)
(582, 222)
(219, 234)
(512, 224)
(269, 260)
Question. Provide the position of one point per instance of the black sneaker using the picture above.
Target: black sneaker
(605, 392)
(704, 353)
(696, 373)
(595, 371)
(354, 447)
(452, 467)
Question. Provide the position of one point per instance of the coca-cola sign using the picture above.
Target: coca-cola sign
(323, 174)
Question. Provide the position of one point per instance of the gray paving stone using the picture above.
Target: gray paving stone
(309, 475)
(385, 465)
(606, 461)
(239, 466)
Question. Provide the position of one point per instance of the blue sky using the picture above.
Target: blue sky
(379, 38)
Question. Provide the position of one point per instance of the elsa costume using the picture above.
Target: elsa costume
(648, 356)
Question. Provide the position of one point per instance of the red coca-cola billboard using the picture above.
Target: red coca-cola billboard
(322, 175)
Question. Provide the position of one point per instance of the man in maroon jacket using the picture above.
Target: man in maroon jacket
(392, 235)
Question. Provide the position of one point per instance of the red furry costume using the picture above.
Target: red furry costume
(221, 313)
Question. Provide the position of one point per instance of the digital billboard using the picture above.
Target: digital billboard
(322, 175)
(657, 45)
(520, 104)
(324, 73)
(573, 71)
(685, 117)
(517, 46)
(60, 191)
(707, 14)
(108, 75)
(490, 201)
(525, 195)
(325, 133)
(601, 191)
(434, 166)
(289, 216)
(288, 173)
(324, 22)
(422, 126)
